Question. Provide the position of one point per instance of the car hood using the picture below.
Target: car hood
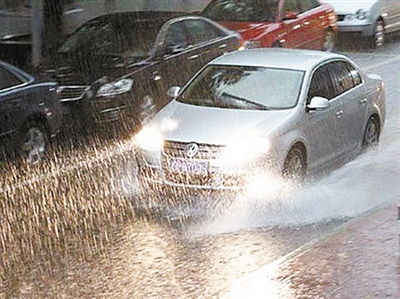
(190, 123)
(342, 7)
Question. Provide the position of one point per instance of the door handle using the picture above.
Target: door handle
(295, 27)
(223, 46)
(339, 113)
(306, 23)
(363, 101)
(193, 57)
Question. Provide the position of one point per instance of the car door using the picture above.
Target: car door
(11, 105)
(314, 20)
(321, 130)
(176, 63)
(352, 92)
(293, 26)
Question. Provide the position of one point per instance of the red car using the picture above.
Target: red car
(277, 23)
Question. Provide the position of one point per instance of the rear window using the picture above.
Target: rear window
(241, 10)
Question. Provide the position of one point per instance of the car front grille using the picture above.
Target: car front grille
(175, 149)
(73, 93)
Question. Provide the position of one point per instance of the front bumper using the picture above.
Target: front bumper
(364, 27)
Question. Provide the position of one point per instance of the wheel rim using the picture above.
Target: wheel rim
(371, 134)
(34, 145)
(379, 34)
(295, 168)
(329, 43)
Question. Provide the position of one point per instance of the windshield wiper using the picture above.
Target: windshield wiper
(226, 96)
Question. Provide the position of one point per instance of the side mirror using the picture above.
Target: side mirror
(173, 92)
(318, 103)
(291, 15)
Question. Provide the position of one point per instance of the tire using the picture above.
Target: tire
(295, 165)
(34, 143)
(330, 41)
(377, 40)
(372, 133)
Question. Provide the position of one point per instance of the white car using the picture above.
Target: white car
(372, 18)
(276, 111)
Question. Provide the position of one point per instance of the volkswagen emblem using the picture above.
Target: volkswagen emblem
(191, 150)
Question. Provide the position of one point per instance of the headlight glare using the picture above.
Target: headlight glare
(115, 88)
(150, 139)
(246, 149)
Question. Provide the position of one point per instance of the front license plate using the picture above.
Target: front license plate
(188, 166)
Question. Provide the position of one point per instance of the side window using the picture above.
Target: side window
(291, 6)
(8, 79)
(321, 84)
(342, 78)
(307, 5)
(175, 37)
(200, 31)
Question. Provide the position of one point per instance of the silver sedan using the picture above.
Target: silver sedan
(261, 112)
(372, 18)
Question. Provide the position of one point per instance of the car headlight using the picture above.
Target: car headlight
(115, 88)
(246, 149)
(361, 14)
(150, 139)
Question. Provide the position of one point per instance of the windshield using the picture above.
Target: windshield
(244, 87)
(241, 10)
(106, 38)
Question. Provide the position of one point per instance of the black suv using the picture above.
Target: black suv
(117, 66)
(30, 114)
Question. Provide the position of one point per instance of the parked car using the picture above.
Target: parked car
(277, 23)
(115, 67)
(372, 19)
(30, 114)
(261, 111)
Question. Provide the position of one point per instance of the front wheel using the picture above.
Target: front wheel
(34, 143)
(378, 38)
(372, 133)
(295, 165)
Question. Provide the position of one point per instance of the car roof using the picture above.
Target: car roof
(276, 58)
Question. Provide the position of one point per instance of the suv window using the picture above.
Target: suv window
(176, 37)
(321, 84)
(201, 32)
(342, 78)
(308, 5)
(8, 79)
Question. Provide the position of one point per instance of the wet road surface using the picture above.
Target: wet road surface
(93, 246)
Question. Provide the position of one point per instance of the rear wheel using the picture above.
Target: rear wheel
(34, 142)
(372, 133)
(295, 165)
